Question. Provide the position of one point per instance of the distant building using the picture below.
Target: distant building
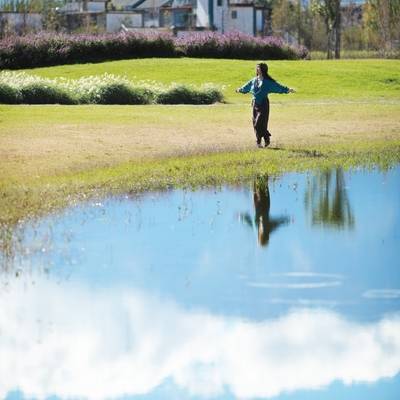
(177, 15)
(19, 23)
(237, 15)
(84, 6)
(83, 13)
(351, 14)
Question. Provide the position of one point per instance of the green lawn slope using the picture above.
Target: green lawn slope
(336, 80)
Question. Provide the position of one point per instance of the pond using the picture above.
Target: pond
(284, 288)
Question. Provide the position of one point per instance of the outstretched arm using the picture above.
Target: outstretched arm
(245, 88)
(275, 87)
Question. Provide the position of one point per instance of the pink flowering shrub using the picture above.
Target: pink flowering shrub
(46, 49)
(238, 45)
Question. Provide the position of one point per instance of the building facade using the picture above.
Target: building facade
(188, 15)
(178, 16)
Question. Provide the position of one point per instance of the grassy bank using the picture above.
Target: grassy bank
(345, 113)
(46, 194)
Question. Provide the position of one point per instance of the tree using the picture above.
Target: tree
(330, 10)
(291, 20)
(382, 19)
(284, 20)
(305, 24)
(295, 21)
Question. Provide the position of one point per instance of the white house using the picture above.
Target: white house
(236, 15)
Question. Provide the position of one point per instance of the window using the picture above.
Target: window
(234, 14)
(219, 3)
(181, 18)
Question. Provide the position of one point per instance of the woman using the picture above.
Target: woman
(260, 87)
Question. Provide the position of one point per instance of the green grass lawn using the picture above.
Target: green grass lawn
(344, 113)
(335, 80)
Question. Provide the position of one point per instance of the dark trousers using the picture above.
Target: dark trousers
(260, 120)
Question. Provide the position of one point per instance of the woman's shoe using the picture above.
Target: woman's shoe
(267, 139)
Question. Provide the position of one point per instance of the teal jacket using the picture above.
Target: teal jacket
(261, 92)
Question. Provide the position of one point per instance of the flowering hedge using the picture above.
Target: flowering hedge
(21, 88)
(46, 49)
(238, 45)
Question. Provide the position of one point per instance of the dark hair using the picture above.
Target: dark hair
(264, 71)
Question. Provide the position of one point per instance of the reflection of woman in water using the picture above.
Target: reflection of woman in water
(262, 203)
(260, 87)
(264, 223)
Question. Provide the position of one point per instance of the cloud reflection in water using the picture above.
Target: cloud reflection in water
(72, 341)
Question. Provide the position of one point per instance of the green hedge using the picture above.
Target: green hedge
(21, 88)
(181, 94)
(9, 95)
(37, 93)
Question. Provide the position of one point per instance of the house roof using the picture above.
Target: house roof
(138, 3)
(183, 3)
(142, 4)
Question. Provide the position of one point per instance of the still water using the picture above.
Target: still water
(284, 288)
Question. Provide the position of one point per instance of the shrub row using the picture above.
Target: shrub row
(21, 88)
(238, 45)
(44, 49)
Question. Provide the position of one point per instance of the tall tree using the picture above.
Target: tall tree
(382, 18)
(284, 19)
(330, 10)
(290, 19)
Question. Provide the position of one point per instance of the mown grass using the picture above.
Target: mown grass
(357, 54)
(319, 79)
(37, 141)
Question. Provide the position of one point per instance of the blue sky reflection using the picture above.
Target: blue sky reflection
(76, 342)
(174, 295)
